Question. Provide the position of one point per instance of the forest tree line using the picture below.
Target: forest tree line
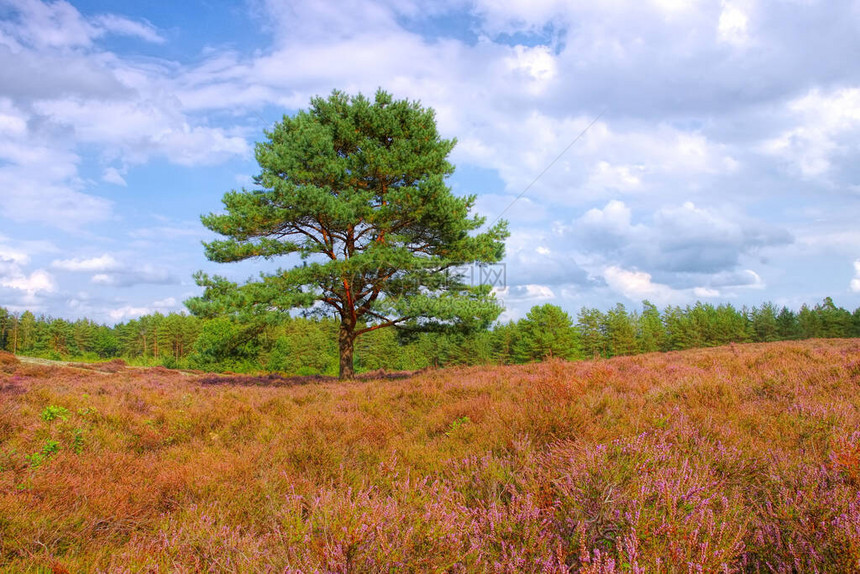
(304, 346)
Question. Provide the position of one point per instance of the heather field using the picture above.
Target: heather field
(733, 459)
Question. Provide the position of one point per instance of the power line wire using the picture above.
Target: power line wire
(546, 169)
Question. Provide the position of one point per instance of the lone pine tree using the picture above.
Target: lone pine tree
(356, 189)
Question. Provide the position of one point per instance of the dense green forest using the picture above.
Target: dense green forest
(304, 346)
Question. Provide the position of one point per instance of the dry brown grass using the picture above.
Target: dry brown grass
(742, 458)
(8, 359)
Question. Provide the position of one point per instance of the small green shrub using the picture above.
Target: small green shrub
(78, 440)
(458, 423)
(53, 412)
(50, 448)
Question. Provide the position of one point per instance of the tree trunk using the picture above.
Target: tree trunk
(346, 340)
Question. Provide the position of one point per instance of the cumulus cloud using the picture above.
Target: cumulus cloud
(500, 100)
(604, 175)
(36, 282)
(108, 271)
(26, 74)
(142, 128)
(39, 180)
(536, 257)
(141, 275)
(693, 239)
(607, 229)
(822, 122)
(638, 285)
(105, 262)
(743, 278)
(733, 24)
(536, 66)
(15, 275)
(677, 239)
(589, 62)
(128, 312)
(10, 256)
(530, 294)
(60, 92)
(54, 204)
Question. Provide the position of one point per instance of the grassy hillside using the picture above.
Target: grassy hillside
(742, 458)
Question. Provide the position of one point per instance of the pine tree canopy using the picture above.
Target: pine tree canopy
(356, 188)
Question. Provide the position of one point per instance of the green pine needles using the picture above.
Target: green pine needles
(356, 188)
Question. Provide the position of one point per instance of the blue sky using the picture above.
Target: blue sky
(723, 169)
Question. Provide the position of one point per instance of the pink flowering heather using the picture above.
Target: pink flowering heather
(733, 459)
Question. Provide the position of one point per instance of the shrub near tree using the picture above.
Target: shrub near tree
(226, 345)
(305, 348)
(357, 189)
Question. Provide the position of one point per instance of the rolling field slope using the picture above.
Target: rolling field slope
(733, 459)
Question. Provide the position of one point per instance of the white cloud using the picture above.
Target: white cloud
(614, 218)
(11, 123)
(39, 177)
(39, 281)
(53, 205)
(638, 285)
(14, 274)
(529, 293)
(538, 292)
(855, 283)
(733, 25)
(137, 275)
(104, 263)
(192, 146)
(506, 16)
(63, 98)
(674, 6)
(705, 292)
(56, 25)
(606, 160)
(529, 261)
(60, 25)
(109, 271)
(535, 66)
(140, 129)
(113, 24)
(823, 120)
(622, 177)
(127, 312)
(730, 281)
(113, 175)
(9, 255)
(685, 247)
